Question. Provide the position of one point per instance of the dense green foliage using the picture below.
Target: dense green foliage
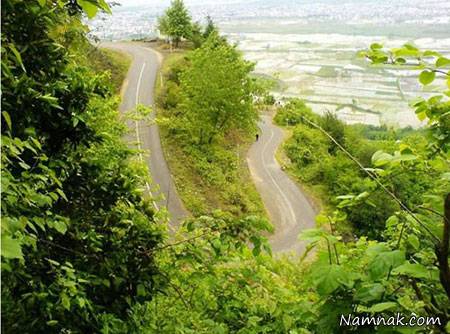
(78, 236)
(318, 162)
(200, 34)
(74, 220)
(217, 91)
(293, 112)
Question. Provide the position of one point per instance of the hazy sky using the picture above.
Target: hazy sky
(166, 2)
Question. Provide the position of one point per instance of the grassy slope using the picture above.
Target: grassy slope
(116, 62)
(239, 196)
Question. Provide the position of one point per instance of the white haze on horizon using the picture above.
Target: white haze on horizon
(136, 3)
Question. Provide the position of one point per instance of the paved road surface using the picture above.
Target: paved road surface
(138, 89)
(288, 208)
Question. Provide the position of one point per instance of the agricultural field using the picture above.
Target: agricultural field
(325, 71)
(310, 47)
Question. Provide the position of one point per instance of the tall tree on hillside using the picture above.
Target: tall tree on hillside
(218, 90)
(199, 34)
(210, 27)
(176, 22)
(196, 36)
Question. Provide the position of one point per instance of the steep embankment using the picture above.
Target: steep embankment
(210, 177)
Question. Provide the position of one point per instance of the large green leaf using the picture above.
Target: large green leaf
(88, 7)
(17, 56)
(427, 77)
(312, 235)
(376, 46)
(384, 262)
(415, 270)
(403, 157)
(11, 248)
(392, 221)
(7, 119)
(442, 62)
(414, 241)
(330, 277)
(369, 292)
(60, 226)
(380, 158)
(380, 307)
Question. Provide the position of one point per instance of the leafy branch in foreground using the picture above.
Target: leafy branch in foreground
(74, 217)
(408, 271)
(434, 68)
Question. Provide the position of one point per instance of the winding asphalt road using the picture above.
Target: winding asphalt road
(138, 89)
(288, 208)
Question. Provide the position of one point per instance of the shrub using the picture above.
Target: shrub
(293, 112)
(306, 146)
(335, 127)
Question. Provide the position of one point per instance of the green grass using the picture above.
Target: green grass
(116, 62)
(170, 59)
(213, 177)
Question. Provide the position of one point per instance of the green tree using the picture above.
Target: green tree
(218, 91)
(293, 113)
(176, 22)
(210, 27)
(199, 34)
(335, 127)
(196, 36)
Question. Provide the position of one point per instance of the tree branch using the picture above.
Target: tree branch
(374, 178)
(177, 289)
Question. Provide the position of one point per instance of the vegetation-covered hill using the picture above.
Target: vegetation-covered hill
(206, 150)
(83, 251)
